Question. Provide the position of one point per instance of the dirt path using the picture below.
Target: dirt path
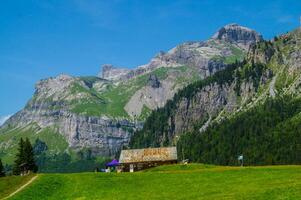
(22, 187)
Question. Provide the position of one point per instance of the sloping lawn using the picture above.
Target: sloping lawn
(11, 183)
(194, 181)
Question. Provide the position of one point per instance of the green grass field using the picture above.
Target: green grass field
(194, 181)
(10, 184)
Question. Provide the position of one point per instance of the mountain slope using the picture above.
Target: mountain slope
(267, 134)
(216, 112)
(96, 116)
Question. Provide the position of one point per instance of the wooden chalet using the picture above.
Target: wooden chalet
(139, 159)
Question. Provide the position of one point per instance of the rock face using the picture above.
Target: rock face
(49, 108)
(78, 106)
(209, 103)
(152, 96)
(199, 54)
(240, 35)
(112, 73)
(102, 136)
(53, 87)
(153, 81)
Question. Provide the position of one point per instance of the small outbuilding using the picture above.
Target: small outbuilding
(113, 163)
(111, 166)
(139, 159)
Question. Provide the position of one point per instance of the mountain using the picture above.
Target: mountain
(72, 119)
(250, 108)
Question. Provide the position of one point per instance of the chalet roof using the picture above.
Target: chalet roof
(148, 155)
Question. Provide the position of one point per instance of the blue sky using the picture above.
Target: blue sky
(42, 38)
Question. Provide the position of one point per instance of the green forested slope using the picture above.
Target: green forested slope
(266, 134)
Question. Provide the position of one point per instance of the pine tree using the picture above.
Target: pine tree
(2, 172)
(29, 156)
(19, 158)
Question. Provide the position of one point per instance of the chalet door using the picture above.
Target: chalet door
(131, 168)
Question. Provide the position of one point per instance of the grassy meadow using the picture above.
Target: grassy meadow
(11, 183)
(194, 181)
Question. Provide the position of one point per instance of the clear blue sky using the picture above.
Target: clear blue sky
(42, 38)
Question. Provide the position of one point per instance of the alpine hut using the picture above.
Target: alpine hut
(139, 159)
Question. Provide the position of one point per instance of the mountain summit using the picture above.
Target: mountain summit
(237, 34)
(198, 54)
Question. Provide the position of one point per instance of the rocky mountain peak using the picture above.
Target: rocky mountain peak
(58, 82)
(240, 35)
(54, 87)
(111, 72)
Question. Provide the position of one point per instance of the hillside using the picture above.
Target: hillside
(194, 181)
(92, 118)
(250, 108)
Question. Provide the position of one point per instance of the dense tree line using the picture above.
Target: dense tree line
(63, 162)
(267, 134)
(25, 161)
(2, 172)
(157, 130)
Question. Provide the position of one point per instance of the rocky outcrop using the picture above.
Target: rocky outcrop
(111, 72)
(153, 81)
(151, 97)
(210, 102)
(53, 87)
(103, 136)
(242, 36)
(262, 52)
(200, 55)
